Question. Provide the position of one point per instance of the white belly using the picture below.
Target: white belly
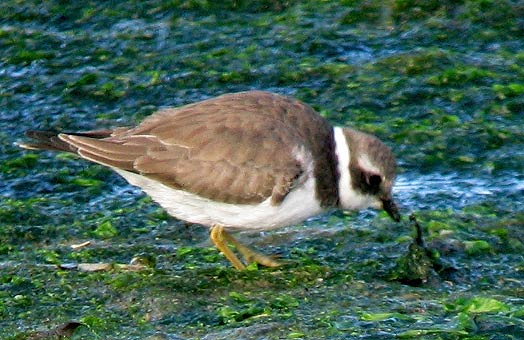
(298, 205)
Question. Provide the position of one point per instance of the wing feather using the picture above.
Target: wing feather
(235, 149)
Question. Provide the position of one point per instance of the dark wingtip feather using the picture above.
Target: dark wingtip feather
(50, 140)
(45, 140)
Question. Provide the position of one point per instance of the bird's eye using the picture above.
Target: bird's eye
(374, 181)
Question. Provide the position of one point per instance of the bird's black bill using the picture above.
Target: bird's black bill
(391, 208)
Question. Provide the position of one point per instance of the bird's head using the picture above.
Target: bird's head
(367, 170)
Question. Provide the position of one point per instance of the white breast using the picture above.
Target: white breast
(297, 206)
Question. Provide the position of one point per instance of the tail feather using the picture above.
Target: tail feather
(46, 140)
(91, 145)
(49, 140)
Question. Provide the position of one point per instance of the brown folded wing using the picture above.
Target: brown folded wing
(234, 151)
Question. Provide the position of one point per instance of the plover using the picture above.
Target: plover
(242, 161)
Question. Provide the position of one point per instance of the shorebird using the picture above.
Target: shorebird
(242, 161)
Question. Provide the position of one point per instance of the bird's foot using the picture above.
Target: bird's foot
(222, 238)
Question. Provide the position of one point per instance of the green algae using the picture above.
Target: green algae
(105, 230)
(478, 305)
(476, 247)
(441, 82)
(19, 165)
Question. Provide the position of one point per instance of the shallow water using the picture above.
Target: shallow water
(458, 190)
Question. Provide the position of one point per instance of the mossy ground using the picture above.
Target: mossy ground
(442, 82)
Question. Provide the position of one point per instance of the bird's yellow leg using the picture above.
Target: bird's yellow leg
(249, 254)
(220, 238)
